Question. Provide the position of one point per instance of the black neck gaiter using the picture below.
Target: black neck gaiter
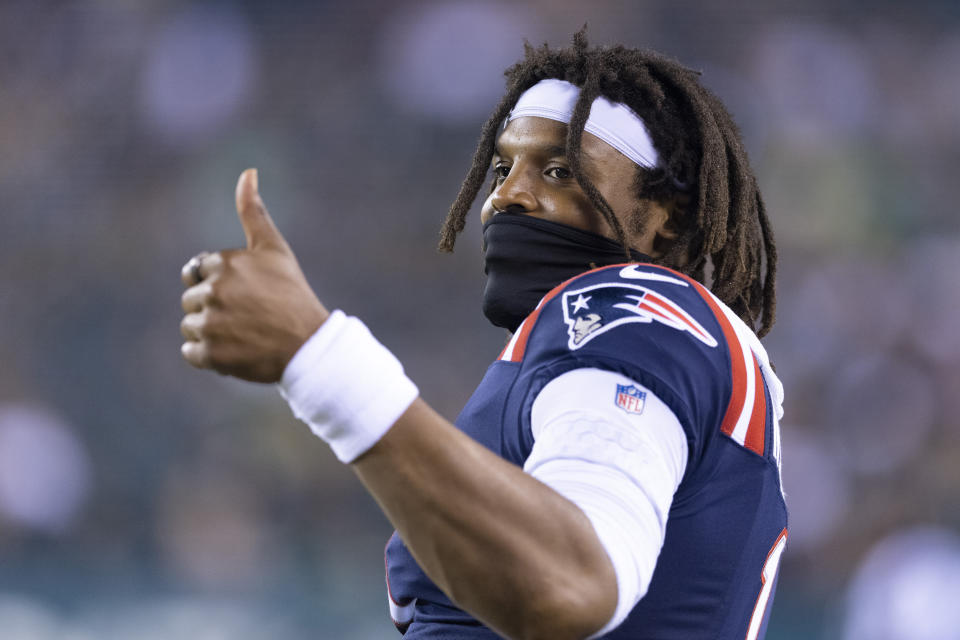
(526, 257)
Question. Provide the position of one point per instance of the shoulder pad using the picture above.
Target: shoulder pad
(609, 298)
(598, 301)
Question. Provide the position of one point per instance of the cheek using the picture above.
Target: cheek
(578, 211)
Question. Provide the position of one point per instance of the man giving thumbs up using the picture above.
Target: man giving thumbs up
(628, 396)
(250, 313)
(248, 310)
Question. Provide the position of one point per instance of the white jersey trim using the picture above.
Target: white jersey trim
(750, 344)
(401, 614)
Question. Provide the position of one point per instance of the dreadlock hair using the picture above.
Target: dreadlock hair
(701, 154)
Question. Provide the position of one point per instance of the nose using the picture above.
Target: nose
(515, 193)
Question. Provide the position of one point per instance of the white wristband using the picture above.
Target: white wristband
(346, 386)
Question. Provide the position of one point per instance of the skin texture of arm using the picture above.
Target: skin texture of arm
(505, 547)
(501, 544)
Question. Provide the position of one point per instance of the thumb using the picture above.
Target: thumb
(256, 222)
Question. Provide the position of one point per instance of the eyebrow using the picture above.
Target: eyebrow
(552, 150)
(588, 161)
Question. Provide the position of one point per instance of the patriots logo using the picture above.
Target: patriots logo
(596, 309)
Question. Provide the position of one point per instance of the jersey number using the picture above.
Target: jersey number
(767, 578)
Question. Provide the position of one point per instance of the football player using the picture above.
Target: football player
(616, 472)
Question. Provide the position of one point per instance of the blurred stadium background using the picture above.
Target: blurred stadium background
(142, 499)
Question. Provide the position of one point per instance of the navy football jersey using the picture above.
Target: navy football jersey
(726, 528)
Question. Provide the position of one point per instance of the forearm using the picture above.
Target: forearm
(502, 545)
(505, 547)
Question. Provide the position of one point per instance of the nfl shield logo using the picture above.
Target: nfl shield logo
(630, 398)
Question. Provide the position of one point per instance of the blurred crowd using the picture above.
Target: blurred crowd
(141, 498)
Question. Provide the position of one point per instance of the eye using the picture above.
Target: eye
(500, 172)
(560, 173)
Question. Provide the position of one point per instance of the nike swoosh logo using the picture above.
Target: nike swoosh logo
(633, 273)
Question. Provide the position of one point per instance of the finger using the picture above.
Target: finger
(196, 354)
(191, 327)
(190, 271)
(257, 224)
(197, 297)
(200, 267)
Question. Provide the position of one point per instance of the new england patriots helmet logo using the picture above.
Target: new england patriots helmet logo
(596, 309)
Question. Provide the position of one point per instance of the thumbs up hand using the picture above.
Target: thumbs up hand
(248, 311)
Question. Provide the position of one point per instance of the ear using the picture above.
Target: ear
(668, 222)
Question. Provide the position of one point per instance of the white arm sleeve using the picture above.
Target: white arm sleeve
(613, 448)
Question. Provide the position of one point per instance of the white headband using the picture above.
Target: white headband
(613, 122)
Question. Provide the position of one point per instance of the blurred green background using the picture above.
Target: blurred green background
(142, 499)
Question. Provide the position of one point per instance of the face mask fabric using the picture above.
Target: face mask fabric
(526, 257)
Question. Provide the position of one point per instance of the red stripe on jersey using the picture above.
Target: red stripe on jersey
(649, 308)
(738, 370)
(527, 328)
(757, 429)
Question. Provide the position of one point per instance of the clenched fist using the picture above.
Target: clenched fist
(248, 311)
